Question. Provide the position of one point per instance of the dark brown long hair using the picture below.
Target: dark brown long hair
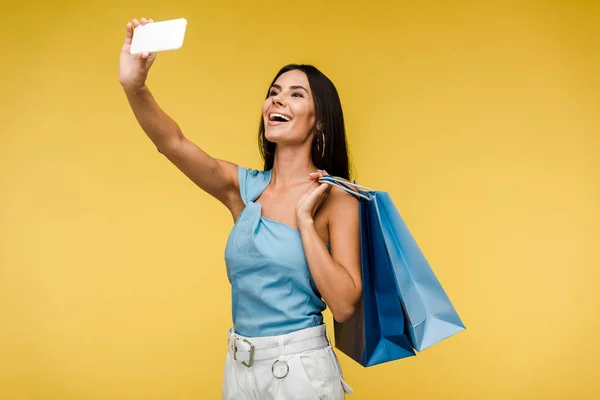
(329, 115)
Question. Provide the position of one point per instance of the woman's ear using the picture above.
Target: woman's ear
(319, 126)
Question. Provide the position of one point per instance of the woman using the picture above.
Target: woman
(295, 245)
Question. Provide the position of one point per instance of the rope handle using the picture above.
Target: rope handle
(345, 185)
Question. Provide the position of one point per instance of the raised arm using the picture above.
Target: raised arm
(216, 177)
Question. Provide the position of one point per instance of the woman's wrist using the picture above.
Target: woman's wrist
(305, 223)
(134, 90)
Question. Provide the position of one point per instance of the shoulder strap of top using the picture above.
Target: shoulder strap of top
(252, 183)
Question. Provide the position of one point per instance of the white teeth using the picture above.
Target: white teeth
(275, 115)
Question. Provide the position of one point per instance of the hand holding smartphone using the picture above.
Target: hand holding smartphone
(158, 36)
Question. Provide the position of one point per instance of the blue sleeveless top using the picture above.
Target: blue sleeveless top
(272, 290)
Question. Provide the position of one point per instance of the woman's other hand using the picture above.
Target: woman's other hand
(310, 202)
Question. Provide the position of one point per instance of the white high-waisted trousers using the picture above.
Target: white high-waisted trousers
(300, 366)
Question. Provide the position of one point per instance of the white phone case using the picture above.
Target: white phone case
(158, 36)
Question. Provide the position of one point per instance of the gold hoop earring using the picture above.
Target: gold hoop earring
(321, 146)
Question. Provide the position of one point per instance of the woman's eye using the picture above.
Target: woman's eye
(273, 93)
(297, 94)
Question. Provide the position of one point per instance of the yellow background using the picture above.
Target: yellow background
(481, 119)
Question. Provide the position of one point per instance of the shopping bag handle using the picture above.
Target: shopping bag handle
(346, 185)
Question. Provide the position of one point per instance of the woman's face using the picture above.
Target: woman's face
(289, 111)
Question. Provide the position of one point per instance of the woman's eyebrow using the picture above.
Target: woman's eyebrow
(298, 87)
(276, 86)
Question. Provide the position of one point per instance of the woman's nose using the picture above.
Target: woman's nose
(277, 99)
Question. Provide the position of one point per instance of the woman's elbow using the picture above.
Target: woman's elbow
(345, 309)
(343, 314)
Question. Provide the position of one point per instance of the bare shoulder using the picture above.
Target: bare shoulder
(340, 203)
(337, 194)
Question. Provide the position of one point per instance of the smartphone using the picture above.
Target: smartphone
(158, 36)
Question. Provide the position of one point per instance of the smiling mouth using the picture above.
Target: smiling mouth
(277, 117)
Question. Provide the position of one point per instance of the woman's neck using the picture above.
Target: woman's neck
(291, 166)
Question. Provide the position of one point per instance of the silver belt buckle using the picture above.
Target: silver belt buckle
(251, 355)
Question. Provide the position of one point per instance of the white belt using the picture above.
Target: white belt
(247, 350)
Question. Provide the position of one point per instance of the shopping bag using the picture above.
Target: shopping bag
(403, 305)
(376, 332)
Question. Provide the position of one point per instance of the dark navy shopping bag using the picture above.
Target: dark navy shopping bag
(403, 305)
